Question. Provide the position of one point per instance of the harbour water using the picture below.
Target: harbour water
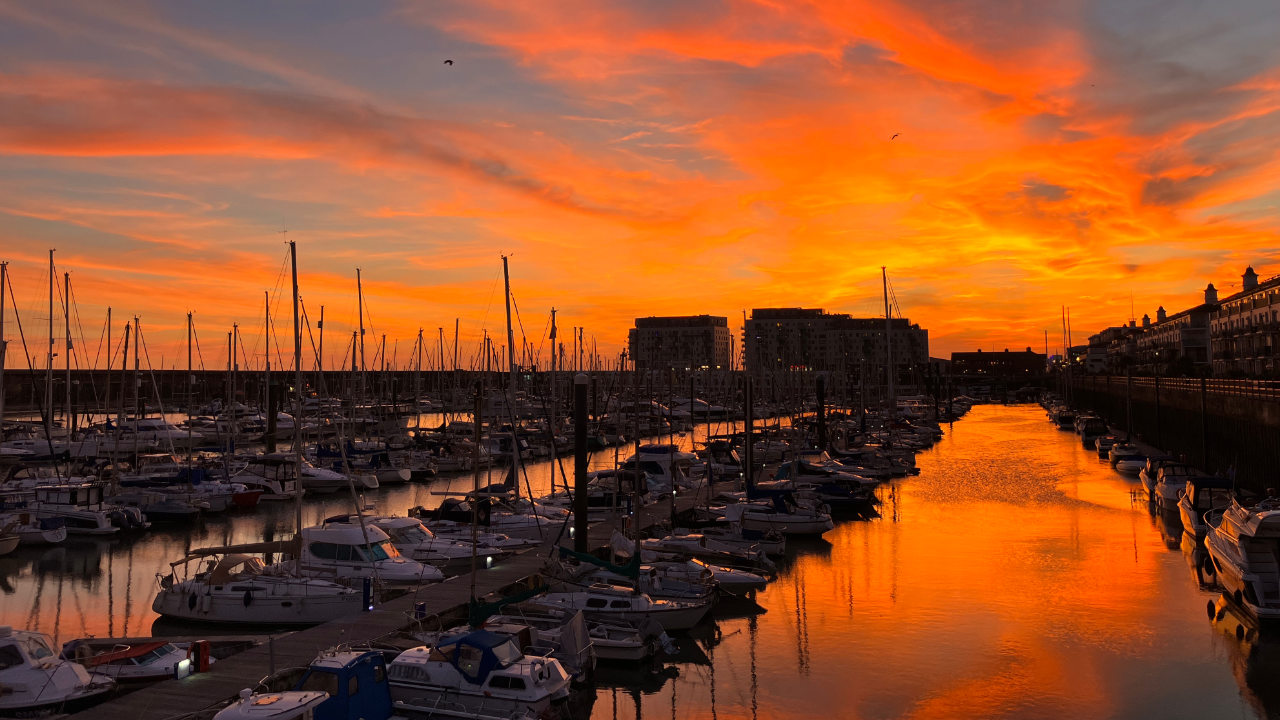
(1016, 576)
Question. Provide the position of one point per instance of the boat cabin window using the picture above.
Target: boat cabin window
(620, 604)
(379, 674)
(10, 657)
(1211, 498)
(507, 653)
(596, 602)
(469, 659)
(379, 551)
(320, 680)
(353, 686)
(326, 551)
(506, 682)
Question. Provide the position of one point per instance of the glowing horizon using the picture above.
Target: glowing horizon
(633, 159)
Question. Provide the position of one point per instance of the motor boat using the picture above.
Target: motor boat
(82, 509)
(1201, 497)
(1120, 451)
(1171, 480)
(237, 589)
(36, 681)
(275, 474)
(144, 661)
(780, 512)
(337, 685)
(477, 674)
(1244, 547)
(1131, 465)
(342, 550)
(416, 542)
(33, 530)
(618, 603)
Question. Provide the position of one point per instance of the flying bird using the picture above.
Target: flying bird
(448, 62)
(895, 135)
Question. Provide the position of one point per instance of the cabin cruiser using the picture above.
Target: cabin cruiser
(1120, 451)
(341, 550)
(240, 589)
(33, 530)
(1131, 465)
(617, 603)
(337, 685)
(416, 542)
(1245, 549)
(710, 550)
(82, 509)
(35, 680)
(274, 474)
(1151, 472)
(136, 662)
(780, 512)
(517, 518)
(609, 493)
(1201, 497)
(1171, 480)
(609, 641)
(477, 674)
(1091, 427)
(667, 467)
(1103, 444)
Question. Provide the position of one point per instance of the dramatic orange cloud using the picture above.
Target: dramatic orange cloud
(638, 159)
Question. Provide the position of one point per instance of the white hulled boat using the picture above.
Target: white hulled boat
(35, 680)
(1245, 549)
(238, 589)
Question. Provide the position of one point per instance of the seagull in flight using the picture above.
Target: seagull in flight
(448, 62)
(895, 135)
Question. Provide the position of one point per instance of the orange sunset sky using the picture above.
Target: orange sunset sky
(633, 158)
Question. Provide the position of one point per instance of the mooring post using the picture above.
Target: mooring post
(580, 463)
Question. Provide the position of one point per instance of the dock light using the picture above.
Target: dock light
(488, 561)
(571, 533)
(182, 669)
(368, 593)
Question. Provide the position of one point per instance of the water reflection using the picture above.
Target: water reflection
(1014, 577)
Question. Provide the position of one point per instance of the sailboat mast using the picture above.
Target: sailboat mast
(297, 381)
(888, 343)
(266, 353)
(554, 400)
(360, 312)
(320, 350)
(511, 338)
(66, 321)
(48, 392)
(190, 393)
(4, 344)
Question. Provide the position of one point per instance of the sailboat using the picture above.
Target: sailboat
(231, 585)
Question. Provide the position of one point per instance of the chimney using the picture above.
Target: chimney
(1211, 294)
(1146, 321)
(1161, 315)
(1250, 279)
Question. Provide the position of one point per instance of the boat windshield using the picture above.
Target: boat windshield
(508, 653)
(383, 550)
(414, 534)
(326, 682)
(36, 647)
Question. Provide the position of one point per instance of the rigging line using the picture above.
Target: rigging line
(151, 371)
(523, 336)
(93, 383)
(195, 335)
(17, 317)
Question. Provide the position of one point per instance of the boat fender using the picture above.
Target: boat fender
(206, 603)
(1212, 609)
(191, 601)
(248, 598)
(1209, 567)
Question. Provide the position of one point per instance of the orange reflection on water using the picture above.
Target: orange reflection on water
(1017, 580)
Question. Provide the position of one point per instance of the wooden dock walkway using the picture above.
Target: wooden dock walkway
(198, 693)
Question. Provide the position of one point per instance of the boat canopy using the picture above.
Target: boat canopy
(477, 653)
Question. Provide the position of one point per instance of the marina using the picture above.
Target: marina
(998, 616)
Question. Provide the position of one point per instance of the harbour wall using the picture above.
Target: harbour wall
(1220, 426)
